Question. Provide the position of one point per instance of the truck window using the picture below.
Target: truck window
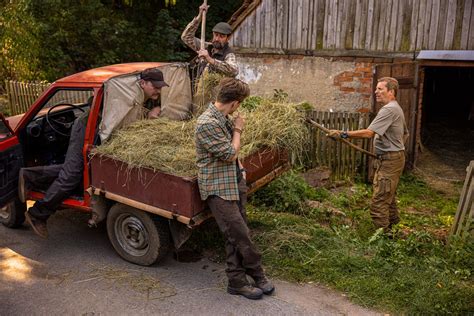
(67, 96)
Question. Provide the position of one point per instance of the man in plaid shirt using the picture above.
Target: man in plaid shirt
(222, 185)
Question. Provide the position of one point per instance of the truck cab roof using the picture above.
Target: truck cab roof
(97, 76)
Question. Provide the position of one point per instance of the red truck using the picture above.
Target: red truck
(146, 211)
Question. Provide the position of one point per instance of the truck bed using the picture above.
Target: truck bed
(167, 194)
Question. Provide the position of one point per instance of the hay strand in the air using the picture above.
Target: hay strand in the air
(205, 91)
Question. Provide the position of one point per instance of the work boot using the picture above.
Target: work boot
(38, 225)
(264, 284)
(22, 190)
(247, 291)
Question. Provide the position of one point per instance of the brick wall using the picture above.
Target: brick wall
(357, 82)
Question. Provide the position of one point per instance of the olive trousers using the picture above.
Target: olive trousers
(383, 207)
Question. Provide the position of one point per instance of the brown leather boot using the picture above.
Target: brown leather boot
(38, 225)
(247, 291)
(264, 284)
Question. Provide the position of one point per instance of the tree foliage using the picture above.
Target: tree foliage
(48, 39)
(19, 44)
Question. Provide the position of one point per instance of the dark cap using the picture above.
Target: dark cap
(222, 28)
(155, 76)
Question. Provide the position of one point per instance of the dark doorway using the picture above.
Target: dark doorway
(447, 130)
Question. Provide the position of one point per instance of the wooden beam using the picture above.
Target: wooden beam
(239, 16)
(446, 63)
(324, 52)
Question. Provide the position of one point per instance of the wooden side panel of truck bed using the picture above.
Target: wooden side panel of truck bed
(175, 194)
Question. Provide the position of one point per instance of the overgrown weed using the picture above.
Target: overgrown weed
(335, 244)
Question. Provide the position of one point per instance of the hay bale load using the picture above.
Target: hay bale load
(168, 145)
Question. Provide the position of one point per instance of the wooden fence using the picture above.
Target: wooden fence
(465, 212)
(344, 161)
(21, 95)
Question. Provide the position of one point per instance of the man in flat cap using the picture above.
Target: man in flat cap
(218, 56)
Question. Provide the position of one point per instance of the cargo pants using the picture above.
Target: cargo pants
(242, 256)
(383, 207)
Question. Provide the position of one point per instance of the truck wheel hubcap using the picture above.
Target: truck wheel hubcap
(131, 235)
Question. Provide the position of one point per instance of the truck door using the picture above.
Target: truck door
(11, 160)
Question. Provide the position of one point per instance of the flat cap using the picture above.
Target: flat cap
(223, 28)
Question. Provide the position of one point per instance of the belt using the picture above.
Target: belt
(388, 155)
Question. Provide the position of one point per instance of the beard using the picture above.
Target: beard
(217, 45)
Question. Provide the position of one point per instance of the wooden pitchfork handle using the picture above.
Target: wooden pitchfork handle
(203, 27)
(324, 129)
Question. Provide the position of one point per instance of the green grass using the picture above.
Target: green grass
(335, 244)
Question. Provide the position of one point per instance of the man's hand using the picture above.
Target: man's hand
(204, 54)
(154, 113)
(239, 122)
(203, 8)
(334, 133)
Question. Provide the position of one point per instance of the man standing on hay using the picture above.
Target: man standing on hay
(390, 133)
(67, 177)
(218, 56)
(222, 185)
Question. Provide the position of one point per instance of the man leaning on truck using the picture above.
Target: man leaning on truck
(222, 185)
(67, 177)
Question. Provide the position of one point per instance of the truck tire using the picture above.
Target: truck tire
(12, 215)
(137, 236)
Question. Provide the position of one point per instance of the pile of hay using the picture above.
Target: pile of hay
(274, 124)
(205, 91)
(168, 146)
(160, 144)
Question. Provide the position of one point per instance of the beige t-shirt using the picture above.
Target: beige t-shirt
(390, 128)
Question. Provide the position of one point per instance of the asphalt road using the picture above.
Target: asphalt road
(76, 271)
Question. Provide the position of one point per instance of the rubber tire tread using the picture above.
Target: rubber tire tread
(17, 214)
(158, 232)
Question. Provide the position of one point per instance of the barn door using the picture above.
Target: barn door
(407, 75)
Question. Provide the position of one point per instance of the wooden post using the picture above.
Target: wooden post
(465, 212)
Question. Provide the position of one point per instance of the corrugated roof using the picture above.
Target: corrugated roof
(447, 55)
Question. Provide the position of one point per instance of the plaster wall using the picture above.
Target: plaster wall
(330, 85)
